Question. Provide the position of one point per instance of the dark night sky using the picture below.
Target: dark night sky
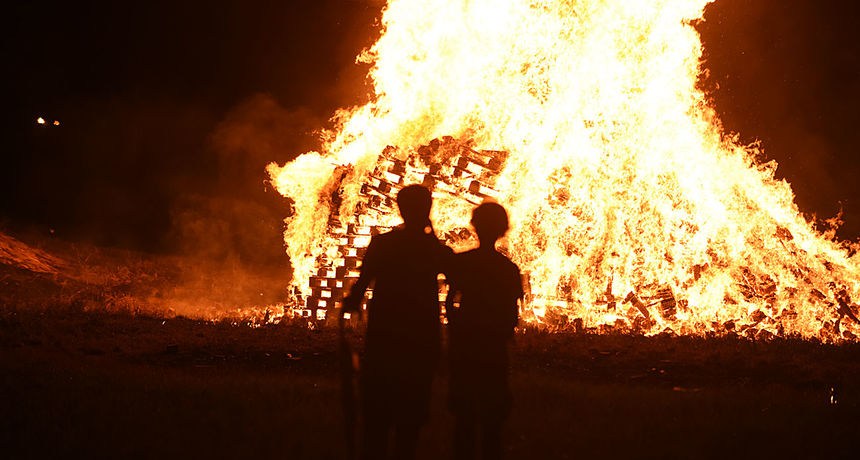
(157, 99)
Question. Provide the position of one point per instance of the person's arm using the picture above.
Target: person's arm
(367, 273)
(453, 296)
(446, 256)
(518, 294)
(352, 302)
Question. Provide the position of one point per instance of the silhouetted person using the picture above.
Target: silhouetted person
(403, 329)
(489, 287)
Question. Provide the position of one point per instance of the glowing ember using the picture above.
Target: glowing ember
(630, 208)
(40, 121)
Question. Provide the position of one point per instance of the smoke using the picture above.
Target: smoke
(235, 226)
(226, 229)
(232, 230)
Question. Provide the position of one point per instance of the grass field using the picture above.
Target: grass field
(101, 385)
(86, 372)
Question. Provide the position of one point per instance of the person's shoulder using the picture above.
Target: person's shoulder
(461, 261)
(443, 249)
(382, 242)
(390, 235)
(507, 262)
(466, 255)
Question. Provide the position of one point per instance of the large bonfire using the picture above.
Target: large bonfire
(630, 207)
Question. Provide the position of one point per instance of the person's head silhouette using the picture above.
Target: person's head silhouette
(490, 221)
(414, 202)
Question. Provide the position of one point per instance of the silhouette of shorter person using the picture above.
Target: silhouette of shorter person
(402, 344)
(489, 288)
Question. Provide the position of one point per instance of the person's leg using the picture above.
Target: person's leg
(491, 440)
(376, 424)
(375, 434)
(406, 440)
(464, 437)
(495, 408)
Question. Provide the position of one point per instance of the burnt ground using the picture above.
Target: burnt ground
(85, 375)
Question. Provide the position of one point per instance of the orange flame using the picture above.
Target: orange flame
(629, 205)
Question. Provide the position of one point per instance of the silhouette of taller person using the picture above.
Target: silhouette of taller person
(489, 288)
(402, 345)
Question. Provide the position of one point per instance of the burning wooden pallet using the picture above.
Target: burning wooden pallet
(445, 166)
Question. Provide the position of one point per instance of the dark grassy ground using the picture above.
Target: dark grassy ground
(94, 363)
(98, 385)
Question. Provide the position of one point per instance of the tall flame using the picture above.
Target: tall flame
(620, 183)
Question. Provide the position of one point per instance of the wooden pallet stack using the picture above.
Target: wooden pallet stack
(444, 165)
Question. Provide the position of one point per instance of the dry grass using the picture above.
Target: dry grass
(83, 277)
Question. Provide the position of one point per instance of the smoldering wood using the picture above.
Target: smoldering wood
(637, 303)
(843, 299)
